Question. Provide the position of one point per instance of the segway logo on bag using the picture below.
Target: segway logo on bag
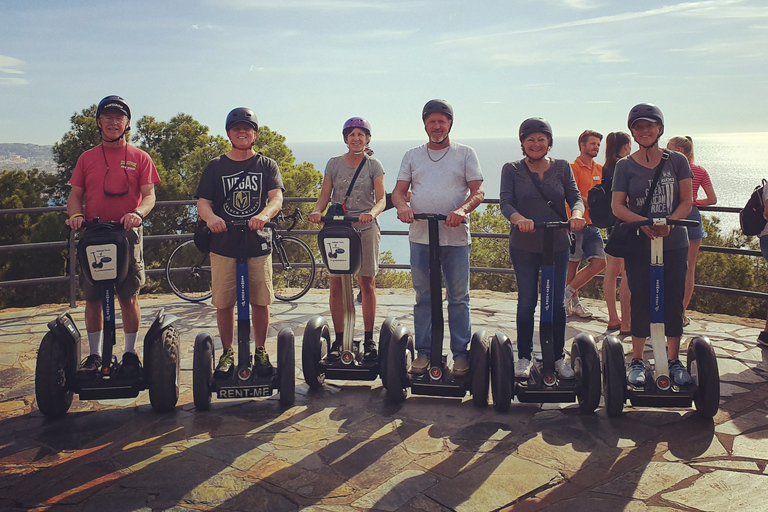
(103, 261)
(337, 252)
(245, 201)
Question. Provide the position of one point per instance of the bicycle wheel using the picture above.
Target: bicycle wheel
(293, 266)
(189, 272)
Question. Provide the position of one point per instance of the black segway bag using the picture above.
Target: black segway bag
(341, 248)
(104, 254)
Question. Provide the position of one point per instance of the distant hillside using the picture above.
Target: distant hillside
(26, 156)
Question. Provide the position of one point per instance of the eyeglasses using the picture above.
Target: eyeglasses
(106, 176)
(113, 119)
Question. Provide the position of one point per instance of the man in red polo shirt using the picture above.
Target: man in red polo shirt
(589, 242)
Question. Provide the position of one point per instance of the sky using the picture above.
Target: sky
(305, 66)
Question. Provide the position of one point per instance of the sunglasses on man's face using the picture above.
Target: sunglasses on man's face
(106, 176)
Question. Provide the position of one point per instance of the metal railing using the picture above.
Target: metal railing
(72, 277)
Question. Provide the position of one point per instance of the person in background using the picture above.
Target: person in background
(588, 243)
(762, 338)
(366, 199)
(671, 198)
(443, 177)
(617, 146)
(114, 182)
(701, 179)
(524, 204)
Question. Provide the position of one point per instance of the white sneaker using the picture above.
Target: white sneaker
(569, 308)
(523, 368)
(579, 310)
(564, 369)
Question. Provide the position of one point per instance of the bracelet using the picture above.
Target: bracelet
(137, 212)
(76, 215)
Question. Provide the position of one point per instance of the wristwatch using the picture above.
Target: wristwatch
(138, 212)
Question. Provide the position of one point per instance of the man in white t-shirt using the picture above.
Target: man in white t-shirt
(444, 178)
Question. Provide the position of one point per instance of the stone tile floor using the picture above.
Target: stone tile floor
(346, 448)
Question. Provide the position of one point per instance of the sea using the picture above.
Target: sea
(736, 163)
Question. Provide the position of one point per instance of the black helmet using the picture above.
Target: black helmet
(533, 125)
(242, 115)
(437, 106)
(646, 112)
(113, 103)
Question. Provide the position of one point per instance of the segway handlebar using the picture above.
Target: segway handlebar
(552, 224)
(244, 223)
(340, 218)
(427, 216)
(661, 222)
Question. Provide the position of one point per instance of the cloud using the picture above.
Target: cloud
(318, 5)
(10, 66)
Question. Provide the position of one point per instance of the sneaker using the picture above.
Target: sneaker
(226, 361)
(523, 368)
(762, 339)
(420, 365)
(130, 367)
(563, 369)
(580, 310)
(92, 363)
(335, 352)
(686, 321)
(369, 350)
(636, 375)
(569, 308)
(460, 366)
(678, 373)
(261, 359)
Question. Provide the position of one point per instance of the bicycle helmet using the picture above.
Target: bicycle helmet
(646, 112)
(242, 115)
(533, 125)
(439, 106)
(356, 122)
(113, 102)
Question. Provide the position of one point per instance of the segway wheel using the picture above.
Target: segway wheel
(163, 368)
(614, 376)
(702, 365)
(586, 366)
(286, 366)
(502, 370)
(399, 355)
(202, 371)
(314, 347)
(385, 335)
(53, 398)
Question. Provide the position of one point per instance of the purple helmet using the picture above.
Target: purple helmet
(356, 122)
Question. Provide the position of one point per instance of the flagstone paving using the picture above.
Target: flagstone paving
(346, 448)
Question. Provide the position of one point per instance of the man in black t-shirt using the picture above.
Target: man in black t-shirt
(241, 185)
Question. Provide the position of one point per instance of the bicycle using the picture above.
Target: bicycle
(293, 265)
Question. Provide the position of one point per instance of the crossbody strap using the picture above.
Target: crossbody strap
(354, 179)
(537, 184)
(647, 204)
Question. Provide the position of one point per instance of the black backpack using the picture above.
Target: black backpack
(599, 204)
(751, 217)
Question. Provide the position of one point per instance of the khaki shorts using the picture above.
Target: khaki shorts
(136, 277)
(370, 238)
(224, 280)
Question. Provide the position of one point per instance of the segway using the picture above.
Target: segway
(242, 381)
(660, 389)
(439, 380)
(543, 384)
(341, 250)
(104, 256)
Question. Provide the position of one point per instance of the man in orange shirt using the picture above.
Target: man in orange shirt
(588, 241)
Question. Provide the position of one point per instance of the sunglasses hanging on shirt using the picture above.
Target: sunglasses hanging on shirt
(106, 176)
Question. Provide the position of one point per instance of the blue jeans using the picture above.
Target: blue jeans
(527, 266)
(455, 265)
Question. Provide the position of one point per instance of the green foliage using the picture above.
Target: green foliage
(83, 136)
(389, 278)
(490, 252)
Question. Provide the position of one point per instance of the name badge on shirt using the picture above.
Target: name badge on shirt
(597, 178)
